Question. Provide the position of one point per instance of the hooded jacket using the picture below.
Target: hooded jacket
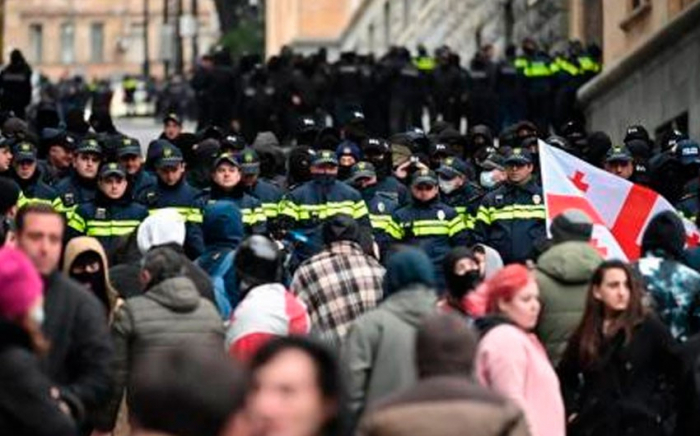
(380, 347)
(563, 274)
(84, 244)
(169, 315)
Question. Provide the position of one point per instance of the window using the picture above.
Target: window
(638, 10)
(97, 42)
(36, 43)
(67, 43)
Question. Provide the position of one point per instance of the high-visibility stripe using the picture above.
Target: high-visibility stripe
(190, 214)
(77, 223)
(323, 211)
(109, 232)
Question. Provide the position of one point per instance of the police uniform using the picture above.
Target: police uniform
(432, 226)
(466, 199)
(537, 73)
(108, 220)
(32, 190)
(511, 219)
(307, 207)
(252, 213)
(267, 193)
(142, 181)
(74, 189)
(181, 197)
(688, 155)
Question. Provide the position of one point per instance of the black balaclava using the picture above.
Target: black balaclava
(95, 281)
(460, 285)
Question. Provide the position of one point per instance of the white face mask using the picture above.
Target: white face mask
(487, 180)
(448, 186)
(37, 315)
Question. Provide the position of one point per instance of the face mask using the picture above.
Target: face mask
(325, 179)
(487, 180)
(344, 172)
(37, 315)
(447, 186)
(460, 285)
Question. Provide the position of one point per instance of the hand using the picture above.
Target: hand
(56, 395)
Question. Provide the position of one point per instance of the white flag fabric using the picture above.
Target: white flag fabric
(619, 209)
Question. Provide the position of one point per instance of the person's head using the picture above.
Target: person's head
(362, 175)
(615, 295)
(424, 186)
(9, 194)
(296, 389)
(190, 391)
(665, 236)
(25, 160)
(452, 175)
(519, 166)
(324, 165)
(21, 295)
(513, 293)
(462, 272)
(348, 154)
(59, 145)
(619, 161)
(407, 268)
(61, 155)
(40, 236)
(493, 171)
(258, 261)
(87, 158)
(571, 225)
(445, 346)
(227, 173)
(160, 264)
(170, 167)
(172, 127)
(340, 228)
(249, 162)
(112, 181)
(164, 227)
(85, 261)
(5, 155)
(129, 154)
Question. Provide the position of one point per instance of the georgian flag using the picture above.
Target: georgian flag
(620, 210)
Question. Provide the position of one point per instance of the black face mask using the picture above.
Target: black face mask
(344, 172)
(460, 285)
(325, 179)
(96, 282)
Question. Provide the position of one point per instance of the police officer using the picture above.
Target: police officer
(535, 67)
(619, 161)
(113, 214)
(308, 206)
(458, 191)
(172, 127)
(427, 222)
(28, 177)
(688, 155)
(267, 193)
(81, 185)
(377, 152)
(348, 154)
(380, 204)
(58, 147)
(173, 192)
(511, 219)
(129, 154)
(226, 185)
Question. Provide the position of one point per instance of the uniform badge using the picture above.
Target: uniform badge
(381, 207)
(69, 199)
(441, 215)
(536, 199)
(101, 213)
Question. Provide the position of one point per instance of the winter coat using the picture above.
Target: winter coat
(628, 390)
(563, 274)
(380, 347)
(25, 390)
(80, 359)
(444, 406)
(168, 316)
(514, 363)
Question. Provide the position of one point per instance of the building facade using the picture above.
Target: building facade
(103, 38)
(652, 52)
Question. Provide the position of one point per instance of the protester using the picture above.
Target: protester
(188, 391)
(563, 273)
(79, 360)
(297, 390)
(340, 283)
(266, 310)
(379, 349)
(673, 287)
(510, 359)
(618, 372)
(462, 275)
(445, 400)
(169, 315)
(26, 392)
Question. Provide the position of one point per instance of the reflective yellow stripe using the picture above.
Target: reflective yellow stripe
(77, 223)
(271, 210)
(457, 225)
(190, 214)
(537, 69)
(394, 230)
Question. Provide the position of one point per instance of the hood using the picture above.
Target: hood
(83, 244)
(408, 267)
(665, 236)
(494, 262)
(178, 294)
(164, 227)
(266, 139)
(223, 225)
(570, 262)
(412, 304)
(340, 228)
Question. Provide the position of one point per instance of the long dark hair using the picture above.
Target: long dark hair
(589, 336)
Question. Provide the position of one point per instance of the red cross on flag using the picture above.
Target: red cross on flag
(620, 210)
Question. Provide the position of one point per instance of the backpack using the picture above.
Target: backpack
(221, 294)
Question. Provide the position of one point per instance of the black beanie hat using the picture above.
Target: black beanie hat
(571, 225)
(9, 194)
(445, 345)
(665, 235)
(340, 228)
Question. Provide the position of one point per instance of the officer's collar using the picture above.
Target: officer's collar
(166, 187)
(530, 186)
(217, 192)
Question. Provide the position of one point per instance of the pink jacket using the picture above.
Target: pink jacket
(515, 364)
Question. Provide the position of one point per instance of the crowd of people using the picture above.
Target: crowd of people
(248, 280)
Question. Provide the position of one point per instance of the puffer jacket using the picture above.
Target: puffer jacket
(170, 315)
(563, 274)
